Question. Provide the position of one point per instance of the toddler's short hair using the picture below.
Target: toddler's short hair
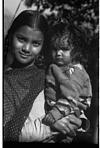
(68, 37)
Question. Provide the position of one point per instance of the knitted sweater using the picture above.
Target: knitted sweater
(68, 90)
(21, 87)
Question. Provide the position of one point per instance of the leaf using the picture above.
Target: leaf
(29, 3)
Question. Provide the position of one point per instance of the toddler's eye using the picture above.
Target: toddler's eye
(65, 49)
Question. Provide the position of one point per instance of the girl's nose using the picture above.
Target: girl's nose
(59, 52)
(26, 48)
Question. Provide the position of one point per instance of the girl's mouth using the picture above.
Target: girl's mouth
(23, 55)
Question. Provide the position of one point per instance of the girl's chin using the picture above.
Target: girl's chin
(25, 61)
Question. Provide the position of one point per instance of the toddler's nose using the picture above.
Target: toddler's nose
(59, 52)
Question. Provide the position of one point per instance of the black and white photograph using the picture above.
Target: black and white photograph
(50, 71)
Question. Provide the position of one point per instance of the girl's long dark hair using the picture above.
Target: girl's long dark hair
(32, 19)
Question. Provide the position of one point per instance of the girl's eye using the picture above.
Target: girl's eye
(21, 39)
(36, 44)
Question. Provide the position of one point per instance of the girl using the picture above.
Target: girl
(24, 81)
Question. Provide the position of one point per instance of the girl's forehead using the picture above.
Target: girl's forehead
(30, 32)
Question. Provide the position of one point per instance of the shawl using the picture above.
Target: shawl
(21, 87)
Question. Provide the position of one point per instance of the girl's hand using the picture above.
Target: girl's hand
(75, 121)
(68, 125)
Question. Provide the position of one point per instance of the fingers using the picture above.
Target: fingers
(60, 125)
(67, 127)
(65, 130)
(74, 120)
(81, 105)
(72, 128)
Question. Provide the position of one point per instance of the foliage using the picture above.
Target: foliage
(83, 13)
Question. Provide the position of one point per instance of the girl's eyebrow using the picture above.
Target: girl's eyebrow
(38, 41)
(25, 37)
(20, 34)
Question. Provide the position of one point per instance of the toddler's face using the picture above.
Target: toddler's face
(27, 44)
(61, 57)
(62, 47)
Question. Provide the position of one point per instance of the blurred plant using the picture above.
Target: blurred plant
(83, 13)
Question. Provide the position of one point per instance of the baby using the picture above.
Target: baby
(68, 87)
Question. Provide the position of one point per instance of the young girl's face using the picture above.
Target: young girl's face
(27, 44)
(61, 57)
(61, 49)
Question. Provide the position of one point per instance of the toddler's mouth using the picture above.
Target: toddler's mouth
(58, 59)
